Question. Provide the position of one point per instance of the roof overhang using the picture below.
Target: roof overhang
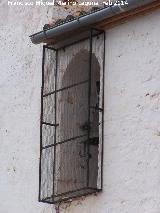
(103, 18)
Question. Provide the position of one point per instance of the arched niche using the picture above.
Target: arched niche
(78, 100)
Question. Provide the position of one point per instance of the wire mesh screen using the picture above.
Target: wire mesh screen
(72, 119)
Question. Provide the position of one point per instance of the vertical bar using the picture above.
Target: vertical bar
(41, 120)
(89, 104)
(104, 43)
(55, 114)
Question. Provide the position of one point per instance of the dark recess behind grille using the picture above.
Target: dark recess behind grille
(61, 177)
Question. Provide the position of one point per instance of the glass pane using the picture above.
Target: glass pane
(71, 166)
(47, 163)
(49, 70)
(73, 64)
(98, 52)
(72, 113)
(49, 109)
(47, 135)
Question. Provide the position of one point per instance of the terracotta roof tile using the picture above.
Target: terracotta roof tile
(81, 11)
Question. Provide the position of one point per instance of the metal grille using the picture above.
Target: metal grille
(71, 145)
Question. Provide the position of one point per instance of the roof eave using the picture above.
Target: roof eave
(87, 20)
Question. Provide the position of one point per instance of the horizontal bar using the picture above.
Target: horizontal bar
(76, 196)
(76, 190)
(49, 124)
(64, 88)
(80, 40)
(96, 108)
(72, 191)
(70, 197)
(99, 31)
(70, 139)
(50, 48)
(45, 200)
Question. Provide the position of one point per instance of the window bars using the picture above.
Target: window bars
(71, 127)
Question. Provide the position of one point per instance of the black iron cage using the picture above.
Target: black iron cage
(71, 127)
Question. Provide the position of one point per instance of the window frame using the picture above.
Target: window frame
(92, 33)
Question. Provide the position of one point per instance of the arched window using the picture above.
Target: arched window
(72, 121)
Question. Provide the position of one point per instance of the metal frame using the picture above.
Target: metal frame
(55, 125)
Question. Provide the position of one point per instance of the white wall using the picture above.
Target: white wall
(132, 118)
(20, 81)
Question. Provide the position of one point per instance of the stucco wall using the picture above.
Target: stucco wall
(132, 134)
(132, 103)
(20, 82)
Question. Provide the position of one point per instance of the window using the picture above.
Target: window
(71, 147)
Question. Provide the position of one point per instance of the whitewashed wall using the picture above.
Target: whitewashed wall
(132, 116)
(20, 82)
